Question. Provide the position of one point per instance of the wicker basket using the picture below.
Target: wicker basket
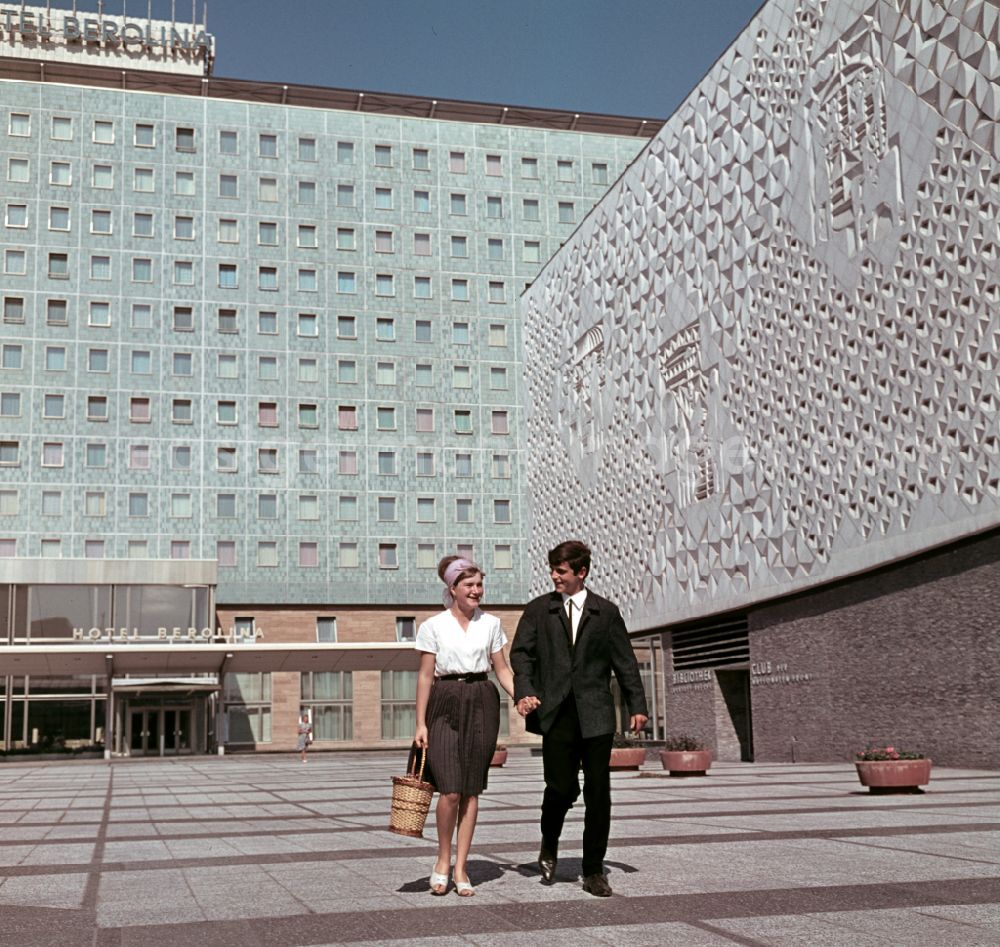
(411, 801)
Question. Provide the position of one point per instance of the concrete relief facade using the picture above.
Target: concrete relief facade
(768, 358)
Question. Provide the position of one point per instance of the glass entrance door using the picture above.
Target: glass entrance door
(177, 730)
(159, 731)
(144, 731)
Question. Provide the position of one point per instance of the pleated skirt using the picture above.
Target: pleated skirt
(462, 725)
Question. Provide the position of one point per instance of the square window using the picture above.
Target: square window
(182, 411)
(387, 556)
(184, 139)
(383, 198)
(347, 508)
(458, 204)
(267, 190)
(532, 251)
(385, 329)
(267, 233)
(345, 238)
(139, 410)
(100, 222)
(347, 418)
(460, 290)
(13, 309)
(308, 370)
(305, 192)
(308, 325)
(496, 291)
(267, 460)
(345, 195)
(460, 333)
(59, 218)
(347, 555)
(459, 246)
(267, 322)
(18, 170)
(326, 629)
(144, 135)
(530, 208)
(456, 162)
(142, 270)
(422, 331)
(100, 314)
(97, 360)
(267, 145)
(184, 183)
(345, 152)
(62, 128)
(463, 510)
(498, 334)
(103, 176)
(501, 511)
(225, 553)
(56, 312)
(461, 376)
(501, 466)
(308, 415)
(142, 180)
(15, 262)
(499, 422)
(599, 172)
(383, 241)
(564, 170)
(180, 457)
(228, 322)
(463, 421)
(229, 142)
(267, 277)
(307, 149)
(10, 453)
(347, 462)
(386, 507)
(421, 244)
(425, 419)
(51, 503)
(494, 248)
(96, 455)
(421, 201)
(267, 554)
(425, 463)
(183, 273)
(529, 168)
(267, 506)
(384, 284)
(229, 230)
(226, 459)
(346, 282)
(346, 327)
(503, 557)
(225, 412)
(228, 276)
(307, 236)
(52, 454)
(16, 215)
(308, 555)
(424, 374)
(308, 506)
(422, 287)
(498, 378)
(229, 185)
(55, 358)
(383, 156)
(494, 207)
(11, 355)
(386, 463)
(385, 373)
(267, 413)
(59, 266)
(183, 319)
(142, 225)
(494, 165)
(53, 406)
(10, 405)
(60, 173)
(566, 212)
(347, 371)
(308, 461)
(180, 505)
(385, 418)
(139, 456)
(183, 363)
(421, 159)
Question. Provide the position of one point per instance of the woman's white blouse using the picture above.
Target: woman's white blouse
(458, 651)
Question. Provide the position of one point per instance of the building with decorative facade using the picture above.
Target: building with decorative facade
(767, 362)
(259, 370)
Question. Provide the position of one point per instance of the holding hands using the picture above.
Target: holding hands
(527, 704)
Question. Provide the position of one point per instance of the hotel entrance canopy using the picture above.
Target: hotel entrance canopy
(149, 660)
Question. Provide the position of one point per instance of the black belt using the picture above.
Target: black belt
(465, 678)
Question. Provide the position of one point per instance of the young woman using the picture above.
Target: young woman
(458, 710)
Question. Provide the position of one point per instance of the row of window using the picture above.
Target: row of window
(425, 464)
(347, 553)
(268, 323)
(268, 233)
(268, 415)
(268, 191)
(140, 457)
(181, 505)
(143, 270)
(306, 148)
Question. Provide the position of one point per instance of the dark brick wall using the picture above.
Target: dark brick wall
(908, 655)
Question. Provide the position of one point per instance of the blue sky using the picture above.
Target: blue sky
(631, 57)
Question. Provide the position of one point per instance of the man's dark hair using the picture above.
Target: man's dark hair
(573, 552)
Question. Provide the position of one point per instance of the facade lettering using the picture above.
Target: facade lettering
(106, 32)
(231, 635)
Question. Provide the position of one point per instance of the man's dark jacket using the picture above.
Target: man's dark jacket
(547, 666)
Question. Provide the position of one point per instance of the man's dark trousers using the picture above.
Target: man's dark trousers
(563, 750)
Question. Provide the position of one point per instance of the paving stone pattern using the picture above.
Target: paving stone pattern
(254, 851)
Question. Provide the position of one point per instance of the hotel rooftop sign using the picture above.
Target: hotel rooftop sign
(73, 35)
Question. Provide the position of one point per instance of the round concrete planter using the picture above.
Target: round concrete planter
(686, 762)
(627, 757)
(885, 776)
(499, 756)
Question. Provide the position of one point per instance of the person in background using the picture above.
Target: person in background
(305, 735)
(458, 711)
(565, 648)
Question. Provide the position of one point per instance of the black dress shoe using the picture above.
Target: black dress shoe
(547, 864)
(597, 885)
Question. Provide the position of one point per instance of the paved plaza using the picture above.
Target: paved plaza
(265, 850)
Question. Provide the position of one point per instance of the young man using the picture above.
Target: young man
(566, 646)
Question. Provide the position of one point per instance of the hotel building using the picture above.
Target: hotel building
(260, 368)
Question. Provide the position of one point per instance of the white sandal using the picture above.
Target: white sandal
(439, 881)
(464, 889)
